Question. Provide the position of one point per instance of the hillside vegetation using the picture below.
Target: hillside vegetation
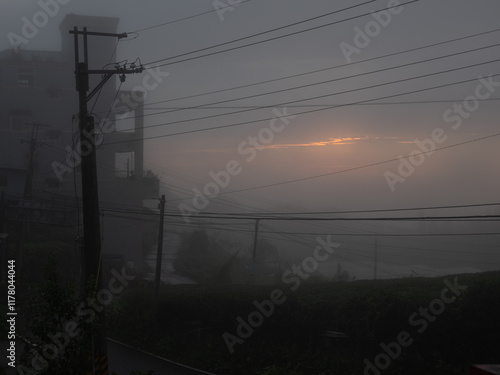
(410, 326)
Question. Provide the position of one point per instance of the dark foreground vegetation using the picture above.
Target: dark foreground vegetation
(404, 326)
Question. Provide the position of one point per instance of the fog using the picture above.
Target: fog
(249, 186)
(345, 150)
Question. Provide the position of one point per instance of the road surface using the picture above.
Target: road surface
(124, 359)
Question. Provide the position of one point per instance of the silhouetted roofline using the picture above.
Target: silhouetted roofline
(96, 23)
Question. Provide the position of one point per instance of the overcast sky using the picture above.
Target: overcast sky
(324, 141)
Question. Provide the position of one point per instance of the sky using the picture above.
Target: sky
(360, 151)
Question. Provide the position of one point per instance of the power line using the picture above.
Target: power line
(187, 17)
(324, 82)
(313, 110)
(359, 167)
(291, 237)
(437, 101)
(294, 215)
(344, 170)
(261, 41)
(189, 193)
(176, 224)
(267, 32)
(361, 244)
(425, 208)
(337, 254)
(396, 234)
(168, 186)
(329, 68)
(116, 214)
(433, 250)
(295, 218)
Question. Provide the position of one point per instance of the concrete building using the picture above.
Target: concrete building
(39, 138)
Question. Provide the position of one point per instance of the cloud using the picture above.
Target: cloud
(342, 141)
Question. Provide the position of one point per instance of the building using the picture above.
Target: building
(39, 153)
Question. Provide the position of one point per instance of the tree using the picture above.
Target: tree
(55, 333)
(342, 275)
(196, 257)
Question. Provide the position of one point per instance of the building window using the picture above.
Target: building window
(3, 181)
(25, 77)
(124, 164)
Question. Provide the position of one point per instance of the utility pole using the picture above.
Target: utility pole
(254, 251)
(3, 236)
(90, 194)
(375, 260)
(28, 186)
(27, 196)
(159, 248)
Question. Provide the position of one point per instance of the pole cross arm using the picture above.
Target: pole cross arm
(107, 74)
(120, 70)
(96, 33)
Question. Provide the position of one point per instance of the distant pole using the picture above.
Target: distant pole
(375, 260)
(254, 251)
(159, 249)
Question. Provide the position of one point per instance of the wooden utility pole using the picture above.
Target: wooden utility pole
(159, 248)
(28, 183)
(254, 250)
(3, 236)
(27, 196)
(90, 194)
(28, 186)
